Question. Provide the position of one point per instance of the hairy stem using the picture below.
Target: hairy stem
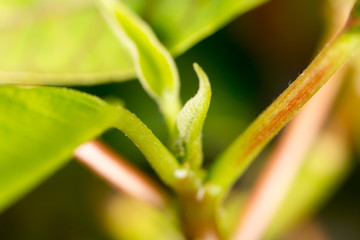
(289, 155)
(234, 161)
(284, 164)
(160, 158)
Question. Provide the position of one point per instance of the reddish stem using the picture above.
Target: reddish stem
(289, 154)
(284, 163)
(115, 170)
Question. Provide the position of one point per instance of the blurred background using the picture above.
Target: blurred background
(249, 63)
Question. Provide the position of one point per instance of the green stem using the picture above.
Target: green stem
(234, 161)
(159, 157)
(170, 108)
(198, 205)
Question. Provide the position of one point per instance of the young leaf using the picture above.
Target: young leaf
(191, 120)
(154, 65)
(39, 129)
(233, 162)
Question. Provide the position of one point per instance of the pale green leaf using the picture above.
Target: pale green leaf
(64, 42)
(39, 129)
(154, 65)
(59, 43)
(191, 120)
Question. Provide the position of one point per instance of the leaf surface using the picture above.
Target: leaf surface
(191, 120)
(39, 129)
(182, 24)
(59, 43)
(64, 42)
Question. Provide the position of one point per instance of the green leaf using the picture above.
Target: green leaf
(64, 42)
(59, 43)
(325, 168)
(39, 129)
(191, 120)
(154, 65)
(182, 24)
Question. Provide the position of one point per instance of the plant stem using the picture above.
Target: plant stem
(159, 157)
(290, 153)
(116, 171)
(199, 220)
(284, 163)
(198, 211)
(234, 161)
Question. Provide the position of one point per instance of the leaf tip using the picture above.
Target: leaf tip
(203, 78)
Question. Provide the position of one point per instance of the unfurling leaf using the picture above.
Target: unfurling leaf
(191, 120)
(154, 65)
(39, 129)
